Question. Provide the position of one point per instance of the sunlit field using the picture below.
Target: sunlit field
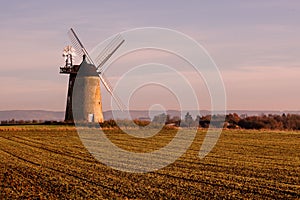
(50, 162)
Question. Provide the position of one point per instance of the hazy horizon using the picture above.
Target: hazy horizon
(256, 46)
(230, 110)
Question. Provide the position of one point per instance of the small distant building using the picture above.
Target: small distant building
(148, 119)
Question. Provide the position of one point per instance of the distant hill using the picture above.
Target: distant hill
(135, 114)
(32, 115)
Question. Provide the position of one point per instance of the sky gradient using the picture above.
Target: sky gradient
(256, 46)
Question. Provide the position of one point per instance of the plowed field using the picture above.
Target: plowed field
(40, 162)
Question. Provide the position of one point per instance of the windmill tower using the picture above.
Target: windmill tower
(84, 96)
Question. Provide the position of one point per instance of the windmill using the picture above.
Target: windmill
(86, 79)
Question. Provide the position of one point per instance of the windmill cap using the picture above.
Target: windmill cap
(87, 69)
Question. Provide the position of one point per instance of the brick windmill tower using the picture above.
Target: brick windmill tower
(84, 102)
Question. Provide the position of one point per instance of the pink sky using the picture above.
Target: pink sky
(256, 46)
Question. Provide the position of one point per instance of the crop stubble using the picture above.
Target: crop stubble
(51, 163)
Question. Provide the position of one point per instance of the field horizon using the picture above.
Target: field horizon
(135, 114)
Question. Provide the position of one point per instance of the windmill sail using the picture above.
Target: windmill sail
(80, 50)
(75, 44)
(109, 50)
(110, 90)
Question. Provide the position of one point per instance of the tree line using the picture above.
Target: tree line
(234, 121)
(230, 121)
